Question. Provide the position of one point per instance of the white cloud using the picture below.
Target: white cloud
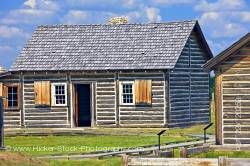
(209, 17)
(12, 32)
(28, 16)
(86, 17)
(229, 30)
(7, 54)
(172, 2)
(153, 14)
(223, 18)
(42, 4)
(222, 24)
(140, 14)
(245, 16)
(97, 4)
(220, 5)
(5, 48)
(32, 12)
(30, 3)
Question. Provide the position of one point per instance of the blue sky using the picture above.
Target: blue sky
(222, 21)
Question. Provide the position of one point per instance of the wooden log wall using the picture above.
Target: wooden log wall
(43, 117)
(12, 117)
(145, 116)
(236, 98)
(106, 109)
(189, 87)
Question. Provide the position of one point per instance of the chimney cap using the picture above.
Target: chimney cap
(118, 20)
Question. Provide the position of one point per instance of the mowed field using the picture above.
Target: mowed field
(22, 150)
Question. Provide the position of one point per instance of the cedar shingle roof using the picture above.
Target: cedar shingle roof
(221, 57)
(104, 47)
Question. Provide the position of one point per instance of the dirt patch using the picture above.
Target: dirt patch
(205, 163)
(13, 159)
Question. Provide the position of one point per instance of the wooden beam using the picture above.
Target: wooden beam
(21, 97)
(69, 98)
(218, 108)
(117, 98)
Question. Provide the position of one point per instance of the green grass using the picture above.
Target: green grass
(106, 139)
(216, 154)
(83, 144)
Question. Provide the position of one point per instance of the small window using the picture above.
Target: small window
(127, 92)
(12, 96)
(59, 91)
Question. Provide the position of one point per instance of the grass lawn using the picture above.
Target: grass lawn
(42, 145)
(216, 154)
(14, 159)
(108, 139)
(105, 139)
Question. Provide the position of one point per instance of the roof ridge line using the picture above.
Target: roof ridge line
(106, 24)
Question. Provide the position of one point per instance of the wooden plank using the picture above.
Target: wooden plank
(143, 91)
(5, 95)
(1, 89)
(42, 92)
(126, 151)
(218, 108)
(37, 90)
(236, 78)
(171, 161)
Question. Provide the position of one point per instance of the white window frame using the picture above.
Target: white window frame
(53, 93)
(12, 97)
(121, 92)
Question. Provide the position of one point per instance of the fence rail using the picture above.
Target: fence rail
(221, 161)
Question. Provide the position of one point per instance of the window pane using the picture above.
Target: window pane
(12, 97)
(60, 97)
(127, 93)
(14, 103)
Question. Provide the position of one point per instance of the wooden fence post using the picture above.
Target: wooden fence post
(218, 104)
(222, 161)
(1, 124)
(125, 160)
(183, 152)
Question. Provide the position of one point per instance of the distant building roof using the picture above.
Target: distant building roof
(2, 69)
(105, 47)
(221, 57)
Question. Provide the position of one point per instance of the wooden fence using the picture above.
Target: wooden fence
(221, 161)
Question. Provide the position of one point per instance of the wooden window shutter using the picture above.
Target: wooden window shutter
(5, 95)
(1, 89)
(42, 92)
(143, 91)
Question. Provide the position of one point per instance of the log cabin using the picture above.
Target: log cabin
(123, 75)
(232, 93)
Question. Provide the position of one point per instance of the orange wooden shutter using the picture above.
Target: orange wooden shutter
(5, 95)
(46, 95)
(1, 89)
(37, 89)
(42, 92)
(143, 91)
(149, 91)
